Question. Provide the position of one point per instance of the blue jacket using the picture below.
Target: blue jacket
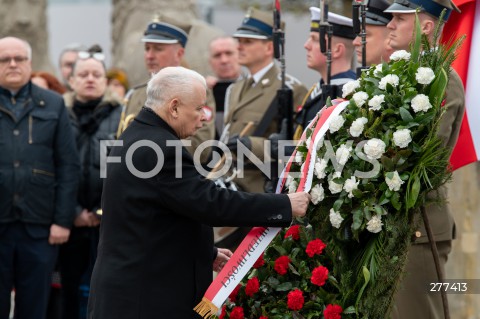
(39, 167)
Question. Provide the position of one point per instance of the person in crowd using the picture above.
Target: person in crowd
(95, 113)
(47, 81)
(156, 245)
(39, 171)
(67, 58)
(223, 58)
(341, 65)
(412, 299)
(377, 48)
(165, 46)
(117, 81)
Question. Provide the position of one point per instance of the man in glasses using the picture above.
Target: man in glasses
(38, 182)
(165, 46)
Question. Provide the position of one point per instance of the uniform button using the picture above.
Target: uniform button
(16, 164)
(279, 216)
(16, 132)
(418, 234)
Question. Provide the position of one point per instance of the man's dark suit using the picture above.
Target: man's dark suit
(155, 253)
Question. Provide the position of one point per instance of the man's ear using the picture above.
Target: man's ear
(173, 108)
(337, 49)
(428, 26)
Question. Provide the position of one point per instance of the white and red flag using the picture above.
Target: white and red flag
(467, 65)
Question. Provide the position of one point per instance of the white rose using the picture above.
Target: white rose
(375, 102)
(333, 187)
(421, 103)
(395, 182)
(335, 218)
(350, 185)
(360, 98)
(357, 126)
(424, 75)
(308, 142)
(402, 138)
(336, 123)
(400, 55)
(391, 79)
(343, 154)
(349, 87)
(320, 166)
(292, 186)
(378, 70)
(375, 224)
(374, 148)
(317, 194)
(298, 157)
(320, 144)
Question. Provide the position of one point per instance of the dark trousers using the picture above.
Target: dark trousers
(75, 259)
(26, 264)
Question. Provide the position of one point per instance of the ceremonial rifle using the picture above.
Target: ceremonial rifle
(360, 10)
(326, 31)
(284, 94)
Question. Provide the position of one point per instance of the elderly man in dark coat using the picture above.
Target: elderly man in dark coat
(156, 250)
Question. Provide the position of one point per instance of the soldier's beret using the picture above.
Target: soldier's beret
(257, 24)
(342, 26)
(162, 32)
(432, 7)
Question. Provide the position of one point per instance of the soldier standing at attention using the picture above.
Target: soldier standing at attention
(413, 300)
(165, 46)
(253, 98)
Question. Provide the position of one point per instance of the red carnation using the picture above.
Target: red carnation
(223, 313)
(237, 313)
(295, 299)
(252, 286)
(319, 275)
(293, 231)
(333, 312)
(263, 317)
(260, 262)
(315, 247)
(234, 293)
(281, 265)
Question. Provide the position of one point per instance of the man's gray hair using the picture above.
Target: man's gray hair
(171, 82)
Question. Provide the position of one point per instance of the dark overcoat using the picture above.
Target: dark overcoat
(156, 243)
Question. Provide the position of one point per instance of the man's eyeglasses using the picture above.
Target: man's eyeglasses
(95, 55)
(17, 59)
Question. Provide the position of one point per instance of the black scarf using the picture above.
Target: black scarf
(89, 115)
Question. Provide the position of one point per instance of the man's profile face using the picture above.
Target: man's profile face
(315, 58)
(190, 111)
(378, 49)
(401, 30)
(15, 65)
(67, 60)
(224, 58)
(160, 55)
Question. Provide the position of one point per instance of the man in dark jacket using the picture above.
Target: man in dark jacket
(155, 254)
(38, 182)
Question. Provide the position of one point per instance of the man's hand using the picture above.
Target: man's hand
(223, 255)
(58, 235)
(232, 143)
(86, 219)
(299, 202)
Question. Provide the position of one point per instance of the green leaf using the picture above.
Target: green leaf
(439, 86)
(405, 114)
(286, 286)
(395, 200)
(412, 193)
(357, 219)
(349, 310)
(415, 51)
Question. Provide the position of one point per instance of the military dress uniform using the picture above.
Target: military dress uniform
(318, 94)
(413, 299)
(247, 101)
(162, 32)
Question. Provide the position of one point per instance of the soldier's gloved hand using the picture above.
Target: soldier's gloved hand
(232, 143)
(275, 137)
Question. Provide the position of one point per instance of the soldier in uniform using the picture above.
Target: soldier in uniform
(377, 48)
(341, 65)
(165, 46)
(413, 300)
(253, 98)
